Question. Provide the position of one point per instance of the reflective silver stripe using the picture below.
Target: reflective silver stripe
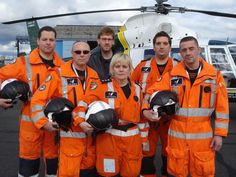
(143, 125)
(38, 116)
(137, 90)
(222, 115)
(82, 103)
(64, 87)
(26, 118)
(213, 95)
(194, 112)
(70, 134)
(145, 75)
(50, 175)
(190, 136)
(111, 101)
(37, 108)
(37, 175)
(175, 89)
(221, 125)
(81, 114)
(210, 81)
(144, 134)
(29, 72)
(116, 132)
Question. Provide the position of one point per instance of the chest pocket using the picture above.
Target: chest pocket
(207, 93)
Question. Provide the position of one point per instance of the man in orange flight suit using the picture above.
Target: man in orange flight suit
(118, 149)
(76, 149)
(146, 73)
(202, 95)
(35, 136)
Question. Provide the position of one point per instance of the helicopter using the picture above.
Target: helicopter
(135, 37)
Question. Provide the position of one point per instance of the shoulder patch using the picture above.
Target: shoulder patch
(159, 79)
(176, 81)
(48, 78)
(42, 87)
(93, 85)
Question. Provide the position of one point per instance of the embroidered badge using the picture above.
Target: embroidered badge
(42, 87)
(93, 85)
(48, 78)
(110, 94)
(72, 81)
(146, 69)
(175, 81)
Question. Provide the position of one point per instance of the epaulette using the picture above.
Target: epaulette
(105, 80)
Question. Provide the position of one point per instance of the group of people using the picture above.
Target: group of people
(127, 149)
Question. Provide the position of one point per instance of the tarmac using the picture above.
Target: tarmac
(9, 122)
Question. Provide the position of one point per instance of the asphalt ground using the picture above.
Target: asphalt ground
(9, 122)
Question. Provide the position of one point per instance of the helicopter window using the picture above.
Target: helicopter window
(175, 54)
(233, 53)
(220, 61)
(148, 53)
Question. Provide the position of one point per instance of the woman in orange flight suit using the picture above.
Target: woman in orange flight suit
(118, 152)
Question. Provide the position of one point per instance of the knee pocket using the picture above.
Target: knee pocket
(176, 162)
(30, 144)
(70, 160)
(204, 163)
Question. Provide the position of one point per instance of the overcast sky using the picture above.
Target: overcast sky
(206, 26)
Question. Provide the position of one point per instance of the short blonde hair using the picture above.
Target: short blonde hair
(120, 58)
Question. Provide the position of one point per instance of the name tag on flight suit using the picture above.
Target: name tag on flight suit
(110, 94)
(72, 81)
(146, 69)
(175, 81)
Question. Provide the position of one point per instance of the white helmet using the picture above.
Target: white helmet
(100, 115)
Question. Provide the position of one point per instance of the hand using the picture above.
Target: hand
(6, 103)
(51, 126)
(86, 127)
(216, 143)
(151, 115)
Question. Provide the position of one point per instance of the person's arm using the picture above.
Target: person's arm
(222, 114)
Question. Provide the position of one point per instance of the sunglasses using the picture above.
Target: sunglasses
(81, 51)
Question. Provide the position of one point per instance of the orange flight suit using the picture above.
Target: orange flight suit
(76, 149)
(32, 138)
(146, 73)
(117, 151)
(190, 133)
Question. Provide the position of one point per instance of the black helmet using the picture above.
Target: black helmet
(59, 110)
(100, 115)
(13, 89)
(164, 102)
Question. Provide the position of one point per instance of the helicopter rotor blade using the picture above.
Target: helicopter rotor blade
(142, 9)
(213, 13)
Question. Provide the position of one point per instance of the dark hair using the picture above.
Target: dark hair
(106, 31)
(189, 38)
(161, 34)
(46, 28)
